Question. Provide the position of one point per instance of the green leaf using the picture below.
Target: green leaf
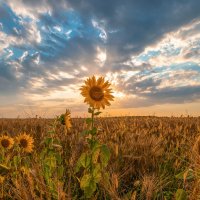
(106, 177)
(90, 110)
(51, 152)
(104, 155)
(16, 161)
(97, 113)
(58, 158)
(97, 173)
(43, 153)
(78, 166)
(83, 161)
(61, 119)
(85, 181)
(181, 194)
(51, 162)
(88, 185)
(88, 121)
(96, 145)
(93, 144)
(47, 172)
(60, 171)
(85, 132)
(48, 141)
(89, 191)
(94, 131)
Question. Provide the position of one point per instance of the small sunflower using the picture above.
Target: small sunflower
(68, 123)
(6, 142)
(25, 142)
(97, 92)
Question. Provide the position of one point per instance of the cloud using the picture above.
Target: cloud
(148, 50)
(172, 84)
(132, 25)
(28, 8)
(7, 79)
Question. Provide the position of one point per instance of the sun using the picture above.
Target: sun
(97, 92)
(6, 142)
(25, 142)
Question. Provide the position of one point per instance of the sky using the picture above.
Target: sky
(148, 50)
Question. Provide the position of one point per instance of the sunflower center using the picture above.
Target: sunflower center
(5, 143)
(23, 143)
(96, 93)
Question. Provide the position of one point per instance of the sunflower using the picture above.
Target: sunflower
(25, 142)
(68, 123)
(6, 142)
(97, 92)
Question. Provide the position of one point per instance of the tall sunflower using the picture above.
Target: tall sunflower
(6, 142)
(68, 123)
(97, 92)
(25, 142)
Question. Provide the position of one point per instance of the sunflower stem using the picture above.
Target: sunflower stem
(93, 117)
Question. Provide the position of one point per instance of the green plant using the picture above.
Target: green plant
(51, 161)
(92, 163)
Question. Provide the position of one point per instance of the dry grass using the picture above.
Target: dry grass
(147, 153)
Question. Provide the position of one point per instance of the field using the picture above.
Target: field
(151, 158)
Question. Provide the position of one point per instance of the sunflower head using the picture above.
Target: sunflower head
(68, 123)
(25, 142)
(97, 92)
(6, 142)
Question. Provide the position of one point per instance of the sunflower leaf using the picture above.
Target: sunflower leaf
(83, 161)
(90, 110)
(88, 185)
(181, 194)
(48, 141)
(90, 189)
(58, 158)
(85, 181)
(60, 171)
(94, 131)
(88, 121)
(97, 173)
(16, 161)
(104, 155)
(97, 113)
(85, 132)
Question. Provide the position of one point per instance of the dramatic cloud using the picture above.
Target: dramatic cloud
(150, 51)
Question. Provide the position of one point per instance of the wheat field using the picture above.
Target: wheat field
(151, 158)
